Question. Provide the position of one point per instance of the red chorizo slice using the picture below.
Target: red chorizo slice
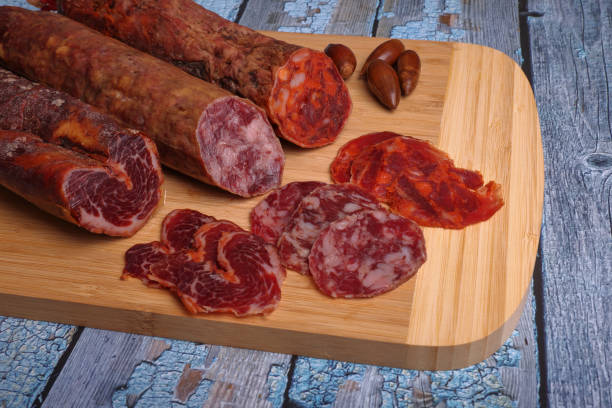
(299, 88)
(422, 183)
(200, 129)
(82, 166)
(341, 165)
(315, 212)
(270, 217)
(366, 254)
(226, 270)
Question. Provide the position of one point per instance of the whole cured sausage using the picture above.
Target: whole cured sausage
(223, 269)
(271, 216)
(75, 162)
(315, 212)
(200, 129)
(300, 89)
(366, 254)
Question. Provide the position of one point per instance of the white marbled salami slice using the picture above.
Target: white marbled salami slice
(316, 211)
(270, 217)
(366, 254)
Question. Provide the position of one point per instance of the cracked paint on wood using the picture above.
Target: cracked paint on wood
(194, 375)
(313, 16)
(322, 383)
(439, 22)
(29, 351)
(225, 8)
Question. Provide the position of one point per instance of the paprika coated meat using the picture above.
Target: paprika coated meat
(299, 88)
(200, 129)
(417, 180)
(75, 162)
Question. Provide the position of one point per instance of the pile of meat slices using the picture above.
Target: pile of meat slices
(416, 180)
(212, 265)
(341, 236)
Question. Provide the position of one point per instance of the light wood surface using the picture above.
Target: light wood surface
(472, 102)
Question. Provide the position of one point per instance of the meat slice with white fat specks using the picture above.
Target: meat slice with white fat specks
(272, 215)
(316, 211)
(366, 254)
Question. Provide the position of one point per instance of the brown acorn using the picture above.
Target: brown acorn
(343, 58)
(387, 51)
(408, 71)
(383, 83)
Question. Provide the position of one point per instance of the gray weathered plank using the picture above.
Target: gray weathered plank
(99, 363)
(117, 369)
(571, 49)
(302, 16)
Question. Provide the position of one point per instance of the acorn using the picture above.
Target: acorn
(343, 58)
(408, 70)
(383, 83)
(387, 51)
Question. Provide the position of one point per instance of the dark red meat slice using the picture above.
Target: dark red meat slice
(341, 166)
(299, 88)
(422, 183)
(180, 226)
(366, 254)
(270, 217)
(225, 269)
(82, 166)
(200, 129)
(315, 212)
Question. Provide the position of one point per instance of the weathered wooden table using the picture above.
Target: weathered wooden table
(559, 354)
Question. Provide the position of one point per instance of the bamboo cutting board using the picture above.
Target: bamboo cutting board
(472, 102)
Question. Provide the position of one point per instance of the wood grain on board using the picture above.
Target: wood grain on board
(472, 102)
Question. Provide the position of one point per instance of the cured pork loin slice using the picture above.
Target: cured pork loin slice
(299, 88)
(366, 254)
(217, 268)
(200, 129)
(75, 162)
(315, 212)
(417, 180)
(272, 215)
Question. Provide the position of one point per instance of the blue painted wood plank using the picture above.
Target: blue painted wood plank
(29, 351)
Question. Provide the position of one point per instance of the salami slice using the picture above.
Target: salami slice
(299, 88)
(270, 217)
(225, 270)
(341, 166)
(200, 129)
(366, 254)
(81, 166)
(315, 212)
